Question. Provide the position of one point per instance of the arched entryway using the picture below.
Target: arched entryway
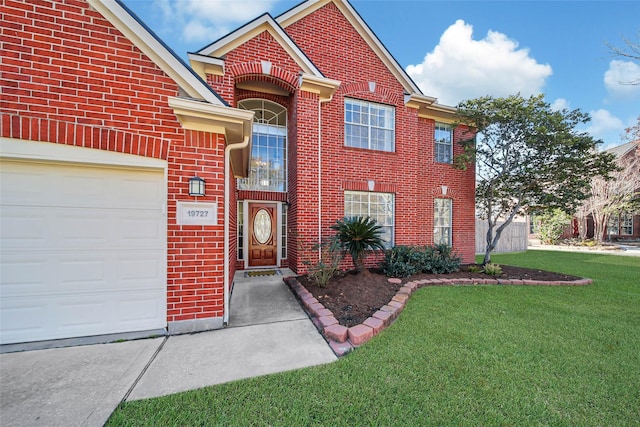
(262, 219)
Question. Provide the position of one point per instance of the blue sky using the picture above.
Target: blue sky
(457, 50)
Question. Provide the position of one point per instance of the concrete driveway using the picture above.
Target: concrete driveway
(73, 386)
(81, 386)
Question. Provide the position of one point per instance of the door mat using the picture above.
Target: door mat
(261, 273)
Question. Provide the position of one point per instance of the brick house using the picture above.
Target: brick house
(625, 226)
(290, 123)
(340, 130)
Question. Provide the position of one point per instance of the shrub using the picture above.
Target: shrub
(329, 264)
(357, 235)
(444, 260)
(492, 269)
(404, 261)
(552, 224)
(401, 261)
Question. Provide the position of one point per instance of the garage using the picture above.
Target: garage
(83, 242)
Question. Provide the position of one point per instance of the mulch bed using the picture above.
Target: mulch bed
(352, 298)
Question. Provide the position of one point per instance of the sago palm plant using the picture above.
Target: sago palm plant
(357, 235)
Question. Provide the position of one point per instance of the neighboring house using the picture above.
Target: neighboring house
(625, 226)
(290, 123)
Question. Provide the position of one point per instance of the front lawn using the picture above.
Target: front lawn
(473, 355)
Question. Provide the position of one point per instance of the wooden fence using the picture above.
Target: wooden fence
(513, 238)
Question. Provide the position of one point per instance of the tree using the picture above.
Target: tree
(617, 195)
(631, 51)
(358, 235)
(528, 158)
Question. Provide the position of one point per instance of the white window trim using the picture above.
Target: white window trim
(267, 128)
(450, 221)
(392, 148)
(436, 143)
(393, 201)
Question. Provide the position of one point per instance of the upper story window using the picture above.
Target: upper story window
(444, 146)
(268, 163)
(369, 125)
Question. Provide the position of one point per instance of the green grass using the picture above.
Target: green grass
(474, 355)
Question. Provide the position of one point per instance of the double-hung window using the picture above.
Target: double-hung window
(442, 221)
(369, 125)
(444, 146)
(378, 206)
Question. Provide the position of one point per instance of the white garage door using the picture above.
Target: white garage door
(83, 250)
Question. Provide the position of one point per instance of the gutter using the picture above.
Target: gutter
(227, 192)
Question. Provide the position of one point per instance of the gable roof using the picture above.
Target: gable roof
(198, 107)
(146, 40)
(621, 150)
(303, 9)
(248, 31)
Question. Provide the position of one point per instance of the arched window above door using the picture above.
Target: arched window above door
(268, 163)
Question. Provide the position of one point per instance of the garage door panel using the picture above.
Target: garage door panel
(145, 270)
(20, 186)
(54, 316)
(56, 185)
(24, 275)
(141, 228)
(83, 250)
(70, 273)
(26, 228)
(21, 318)
(65, 229)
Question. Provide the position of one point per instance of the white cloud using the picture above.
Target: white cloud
(618, 79)
(225, 11)
(605, 126)
(463, 68)
(205, 21)
(560, 104)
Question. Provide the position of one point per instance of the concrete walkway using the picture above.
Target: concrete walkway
(268, 332)
(618, 249)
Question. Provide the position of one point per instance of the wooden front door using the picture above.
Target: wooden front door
(263, 242)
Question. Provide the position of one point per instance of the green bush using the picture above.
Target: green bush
(331, 255)
(475, 269)
(404, 261)
(492, 269)
(552, 224)
(401, 261)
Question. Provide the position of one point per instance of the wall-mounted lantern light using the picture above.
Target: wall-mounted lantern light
(196, 186)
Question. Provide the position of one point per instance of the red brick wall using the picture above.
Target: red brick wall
(196, 253)
(410, 172)
(69, 77)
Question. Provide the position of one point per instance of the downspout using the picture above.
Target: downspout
(322, 101)
(320, 180)
(227, 193)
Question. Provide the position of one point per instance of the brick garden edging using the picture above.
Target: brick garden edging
(342, 339)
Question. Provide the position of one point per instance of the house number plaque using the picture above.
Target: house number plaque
(195, 213)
